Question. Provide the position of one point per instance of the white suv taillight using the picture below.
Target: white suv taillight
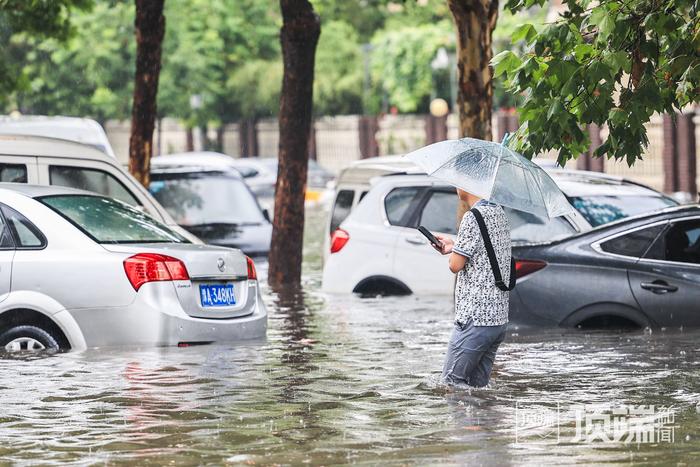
(152, 267)
(338, 240)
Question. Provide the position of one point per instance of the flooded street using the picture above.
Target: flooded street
(344, 380)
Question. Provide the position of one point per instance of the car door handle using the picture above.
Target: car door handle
(659, 287)
(416, 240)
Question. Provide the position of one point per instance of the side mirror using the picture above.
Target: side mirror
(266, 215)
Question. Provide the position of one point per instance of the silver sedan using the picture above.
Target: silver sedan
(80, 270)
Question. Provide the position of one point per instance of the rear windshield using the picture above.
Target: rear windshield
(194, 199)
(599, 210)
(529, 228)
(106, 220)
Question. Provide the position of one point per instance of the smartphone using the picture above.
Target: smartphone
(431, 238)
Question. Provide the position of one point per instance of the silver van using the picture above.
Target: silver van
(39, 160)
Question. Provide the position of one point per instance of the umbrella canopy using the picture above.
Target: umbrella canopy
(492, 171)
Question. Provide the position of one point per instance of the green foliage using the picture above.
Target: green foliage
(256, 97)
(210, 42)
(338, 77)
(45, 18)
(39, 18)
(401, 60)
(226, 52)
(612, 62)
(89, 74)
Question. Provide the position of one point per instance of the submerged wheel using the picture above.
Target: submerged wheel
(27, 338)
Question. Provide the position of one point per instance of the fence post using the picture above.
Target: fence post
(670, 154)
(435, 129)
(368, 128)
(248, 137)
(501, 124)
(312, 141)
(587, 161)
(687, 166)
(189, 139)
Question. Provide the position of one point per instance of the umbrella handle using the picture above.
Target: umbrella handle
(506, 137)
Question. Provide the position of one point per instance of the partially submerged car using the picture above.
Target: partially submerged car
(82, 270)
(641, 271)
(209, 199)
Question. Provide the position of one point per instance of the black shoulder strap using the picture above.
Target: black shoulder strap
(492, 255)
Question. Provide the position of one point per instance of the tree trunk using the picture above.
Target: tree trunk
(301, 29)
(150, 27)
(475, 21)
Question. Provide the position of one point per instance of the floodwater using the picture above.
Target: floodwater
(344, 380)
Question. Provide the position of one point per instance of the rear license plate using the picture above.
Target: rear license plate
(217, 295)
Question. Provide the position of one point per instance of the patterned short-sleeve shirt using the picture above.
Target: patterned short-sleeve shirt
(476, 294)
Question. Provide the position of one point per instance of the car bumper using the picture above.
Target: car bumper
(157, 319)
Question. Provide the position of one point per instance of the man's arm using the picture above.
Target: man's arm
(457, 262)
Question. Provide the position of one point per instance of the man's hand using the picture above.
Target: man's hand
(446, 244)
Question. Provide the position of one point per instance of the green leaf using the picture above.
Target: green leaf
(525, 32)
(556, 108)
(505, 62)
(583, 51)
(606, 27)
(617, 61)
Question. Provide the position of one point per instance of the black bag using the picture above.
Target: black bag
(492, 256)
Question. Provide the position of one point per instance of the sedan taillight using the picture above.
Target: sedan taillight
(252, 274)
(523, 267)
(338, 240)
(152, 267)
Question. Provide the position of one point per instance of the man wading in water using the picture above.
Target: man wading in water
(481, 299)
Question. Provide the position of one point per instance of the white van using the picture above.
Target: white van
(79, 130)
(49, 161)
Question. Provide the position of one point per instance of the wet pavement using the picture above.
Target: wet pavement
(344, 380)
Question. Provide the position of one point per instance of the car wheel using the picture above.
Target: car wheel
(27, 338)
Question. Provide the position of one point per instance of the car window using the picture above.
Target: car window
(14, 173)
(341, 208)
(397, 203)
(6, 241)
(529, 228)
(195, 198)
(599, 210)
(94, 180)
(633, 244)
(106, 220)
(440, 212)
(680, 243)
(26, 234)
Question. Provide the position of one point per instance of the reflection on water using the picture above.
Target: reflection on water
(340, 380)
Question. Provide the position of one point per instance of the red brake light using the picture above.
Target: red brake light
(523, 267)
(152, 267)
(252, 274)
(338, 240)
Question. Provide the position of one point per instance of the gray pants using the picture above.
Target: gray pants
(471, 353)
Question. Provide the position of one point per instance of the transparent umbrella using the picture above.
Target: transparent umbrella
(493, 172)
